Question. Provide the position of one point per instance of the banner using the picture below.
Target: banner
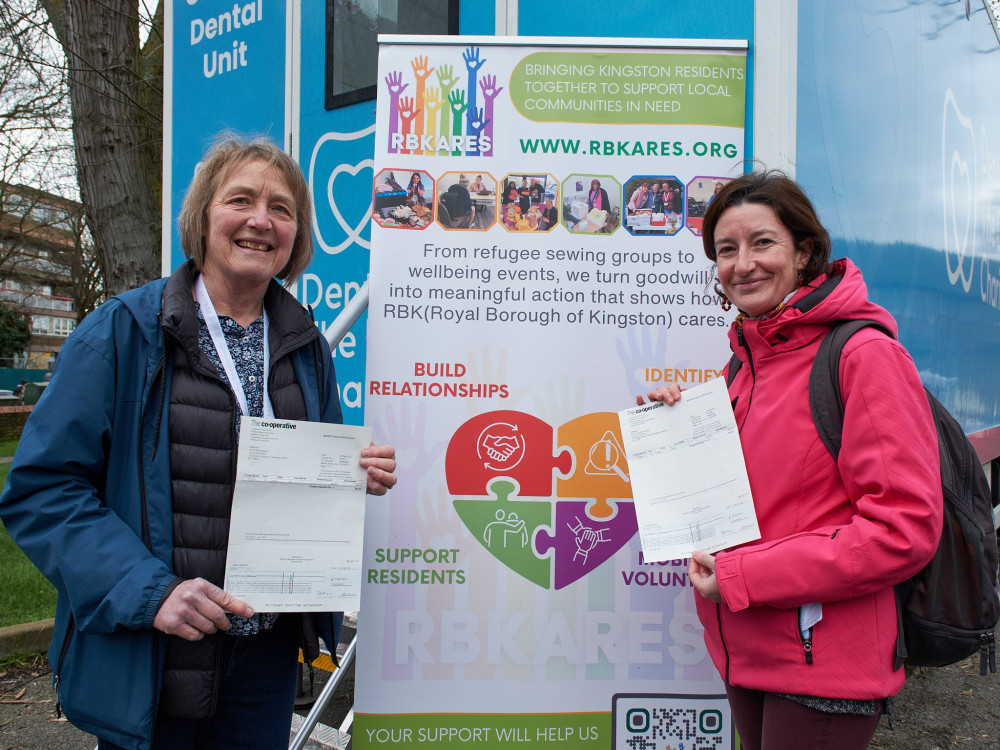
(536, 264)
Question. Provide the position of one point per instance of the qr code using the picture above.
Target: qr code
(657, 721)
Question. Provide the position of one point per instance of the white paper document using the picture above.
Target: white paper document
(298, 516)
(688, 478)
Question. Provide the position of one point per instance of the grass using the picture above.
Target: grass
(25, 594)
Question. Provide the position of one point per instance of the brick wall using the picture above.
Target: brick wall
(12, 419)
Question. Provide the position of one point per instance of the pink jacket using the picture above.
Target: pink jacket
(638, 199)
(840, 534)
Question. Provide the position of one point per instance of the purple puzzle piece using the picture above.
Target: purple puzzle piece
(582, 543)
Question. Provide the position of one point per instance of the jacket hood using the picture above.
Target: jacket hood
(138, 301)
(828, 299)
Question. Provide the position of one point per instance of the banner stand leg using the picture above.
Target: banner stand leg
(302, 736)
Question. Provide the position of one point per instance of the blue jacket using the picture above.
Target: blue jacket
(88, 500)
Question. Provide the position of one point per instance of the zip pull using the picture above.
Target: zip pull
(808, 616)
(987, 652)
(55, 686)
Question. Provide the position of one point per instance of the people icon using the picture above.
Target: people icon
(507, 524)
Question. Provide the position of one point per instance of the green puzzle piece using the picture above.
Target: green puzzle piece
(506, 528)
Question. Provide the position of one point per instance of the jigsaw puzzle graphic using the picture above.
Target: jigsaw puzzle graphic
(550, 507)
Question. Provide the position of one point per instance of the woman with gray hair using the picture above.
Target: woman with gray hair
(122, 486)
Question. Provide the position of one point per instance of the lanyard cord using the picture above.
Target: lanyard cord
(222, 349)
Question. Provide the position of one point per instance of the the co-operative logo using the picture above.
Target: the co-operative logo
(958, 181)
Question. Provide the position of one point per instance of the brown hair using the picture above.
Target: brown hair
(774, 189)
(232, 150)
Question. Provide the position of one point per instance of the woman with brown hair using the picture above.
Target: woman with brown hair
(801, 624)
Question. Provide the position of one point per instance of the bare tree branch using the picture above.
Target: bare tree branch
(116, 92)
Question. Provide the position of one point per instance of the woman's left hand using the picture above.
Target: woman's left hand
(670, 394)
(380, 463)
(701, 570)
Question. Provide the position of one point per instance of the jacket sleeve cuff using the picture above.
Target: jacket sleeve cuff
(729, 577)
(159, 596)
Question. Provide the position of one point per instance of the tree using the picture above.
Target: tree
(36, 149)
(36, 143)
(116, 90)
(88, 278)
(14, 333)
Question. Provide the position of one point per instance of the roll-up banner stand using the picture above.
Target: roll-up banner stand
(536, 262)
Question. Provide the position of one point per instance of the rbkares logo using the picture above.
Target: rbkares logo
(437, 115)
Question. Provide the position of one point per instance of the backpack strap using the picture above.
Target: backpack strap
(827, 406)
(819, 294)
(735, 363)
(825, 400)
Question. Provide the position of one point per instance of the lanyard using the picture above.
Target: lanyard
(222, 349)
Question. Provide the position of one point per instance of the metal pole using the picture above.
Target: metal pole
(334, 334)
(348, 316)
(302, 736)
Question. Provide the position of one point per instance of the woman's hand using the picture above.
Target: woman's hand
(701, 571)
(668, 393)
(380, 463)
(196, 608)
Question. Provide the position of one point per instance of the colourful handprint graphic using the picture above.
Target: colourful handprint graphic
(445, 118)
(395, 85)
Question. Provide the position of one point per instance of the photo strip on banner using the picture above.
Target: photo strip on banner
(536, 263)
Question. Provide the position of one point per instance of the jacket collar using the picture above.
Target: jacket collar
(820, 304)
(291, 326)
(819, 292)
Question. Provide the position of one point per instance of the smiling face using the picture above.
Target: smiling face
(758, 262)
(250, 228)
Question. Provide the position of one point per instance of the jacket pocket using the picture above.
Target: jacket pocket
(63, 651)
(106, 683)
(808, 617)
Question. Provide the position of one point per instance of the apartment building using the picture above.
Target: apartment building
(40, 244)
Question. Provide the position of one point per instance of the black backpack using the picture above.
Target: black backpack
(949, 609)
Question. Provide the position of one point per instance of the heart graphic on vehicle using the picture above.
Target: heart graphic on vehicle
(353, 233)
(348, 190)
(958, 179)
